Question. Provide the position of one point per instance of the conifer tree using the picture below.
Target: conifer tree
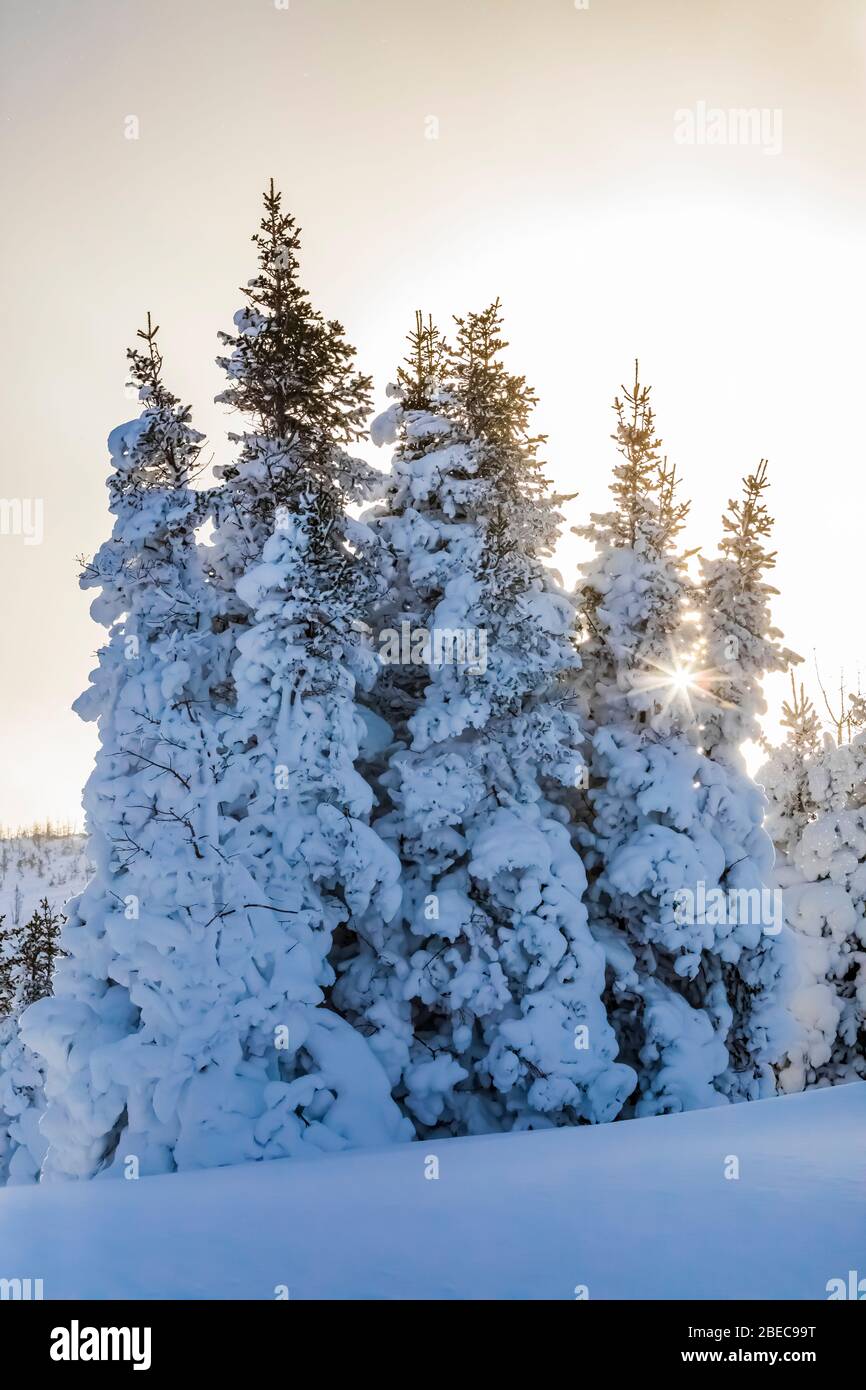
(127, 1056)
(817, 816)
(7, 969)
(636, 592)
(291, 373)
(661, 822)
(8, 1033)
(740, 644)
(739, 647)
(792, 803)
(297, 577)
(483, 996)
(417, 424)
(27, 954)
(37, 952)
(22, 1105)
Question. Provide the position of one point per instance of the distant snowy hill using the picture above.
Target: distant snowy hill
(33, 867)
(639, 1209)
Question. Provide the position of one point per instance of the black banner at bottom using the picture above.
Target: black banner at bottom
(81, 1339)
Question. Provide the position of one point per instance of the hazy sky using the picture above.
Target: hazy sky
(559, 177)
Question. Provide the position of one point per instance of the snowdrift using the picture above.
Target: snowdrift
(639, 1209)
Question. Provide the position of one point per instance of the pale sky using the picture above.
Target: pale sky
(734, 271)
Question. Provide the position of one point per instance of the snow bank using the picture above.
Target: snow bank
(640, 1209)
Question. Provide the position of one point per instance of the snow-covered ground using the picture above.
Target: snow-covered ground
(36, 867)
(640, 1209)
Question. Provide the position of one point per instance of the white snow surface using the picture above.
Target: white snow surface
(638, 1209)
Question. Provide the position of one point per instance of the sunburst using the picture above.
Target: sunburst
(678, 681)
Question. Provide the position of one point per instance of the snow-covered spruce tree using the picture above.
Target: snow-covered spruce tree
(661, 823)
(296, 577)
(37, 953)
(7, 968)
(18, 1088)
(739, 647)
(22, 1104)
(785, 775)
(27, 957)
(139, 1021)
(482, 997)
(817, 815)
(408, 539)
